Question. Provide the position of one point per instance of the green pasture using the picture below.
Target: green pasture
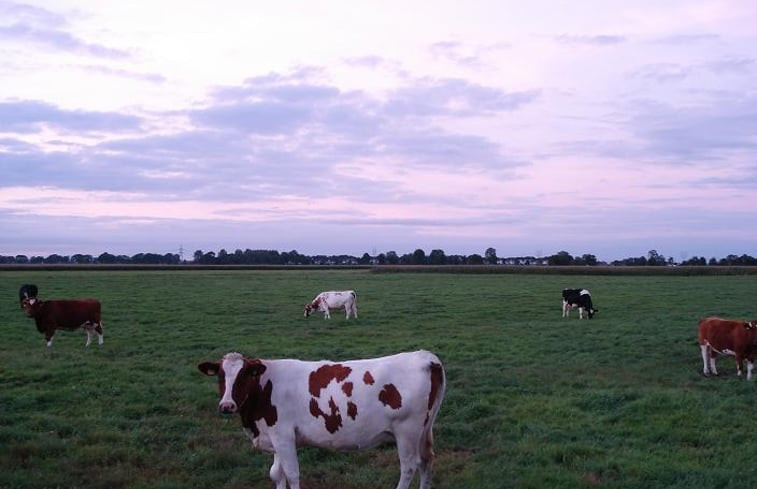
(533, 400)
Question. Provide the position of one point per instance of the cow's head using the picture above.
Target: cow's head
(238, 378)
(591, 311)
(751, 331)
(30, 305)
(27, 291)
(311, 307)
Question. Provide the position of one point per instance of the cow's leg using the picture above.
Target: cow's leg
(427, 460)
(347, 310)
(277, 473)
(410, 460)
(326, 314)
(580, 313)
(749, 368)
(49, 336)
(286, 452)
(739, 364)
(713, 357)
(705, 359)
(88, 330)
(99, 331)
(354, 309)
(564, 308)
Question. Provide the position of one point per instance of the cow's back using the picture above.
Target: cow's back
(70, 314)
(354, 404)
(723, 334)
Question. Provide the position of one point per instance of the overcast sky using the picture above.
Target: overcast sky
(599, 126)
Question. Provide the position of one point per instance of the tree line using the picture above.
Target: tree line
(417, 257)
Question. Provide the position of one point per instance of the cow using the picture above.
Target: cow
(334, 299)
(27, 291)
(68, 315)
(348, 405)
(727, 337)
(580, 298)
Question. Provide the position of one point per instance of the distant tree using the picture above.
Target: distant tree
(475, 259)
(22, 259)
(365, 259)
(381, 259)
(490, 256)
(655, 259)
(222, 257)
(419, 257)
(561, 258)
(55, 258)
(437, 257)
(106, 258)
(392, 258)
(83, 259)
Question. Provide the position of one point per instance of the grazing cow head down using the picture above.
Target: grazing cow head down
(312, 307)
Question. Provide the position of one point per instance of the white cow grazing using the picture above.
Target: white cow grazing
(350, 405)
(333, 299)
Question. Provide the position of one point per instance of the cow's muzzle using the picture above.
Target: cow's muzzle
(227, 407)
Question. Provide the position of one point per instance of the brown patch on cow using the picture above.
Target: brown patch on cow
(321, 377)
(347, 388)
(333, 420)
(258, 405)
(352, 410)
(368, 378)
(390, 396)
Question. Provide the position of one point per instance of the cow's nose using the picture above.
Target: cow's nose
(227, 407)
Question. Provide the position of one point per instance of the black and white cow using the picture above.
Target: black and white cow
(27, 291)
(577, 298)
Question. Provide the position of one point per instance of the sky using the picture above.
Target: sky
(604, 127)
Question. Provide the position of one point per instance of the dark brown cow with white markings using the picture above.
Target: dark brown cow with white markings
(68, 315)
(719, 336)
(350, 405)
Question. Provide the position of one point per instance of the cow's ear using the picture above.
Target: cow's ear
(256, 367)
(209, 368)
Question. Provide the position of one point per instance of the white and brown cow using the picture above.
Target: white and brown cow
(68, 315)
(727, 337)
(349, 405)
(333, 299)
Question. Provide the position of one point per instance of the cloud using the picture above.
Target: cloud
(592, 40)
(29, 116)
(705, 131)
(27, 24)
(454, 97)
(686, 39)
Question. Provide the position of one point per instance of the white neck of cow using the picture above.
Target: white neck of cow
(232, 364)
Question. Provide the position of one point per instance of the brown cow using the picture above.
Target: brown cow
(728, 337)
(67, 315)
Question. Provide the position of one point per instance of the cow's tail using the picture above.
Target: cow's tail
(435, 397)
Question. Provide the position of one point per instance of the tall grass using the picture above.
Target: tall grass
(533, 401)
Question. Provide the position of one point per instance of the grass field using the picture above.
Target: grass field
(533, 400)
